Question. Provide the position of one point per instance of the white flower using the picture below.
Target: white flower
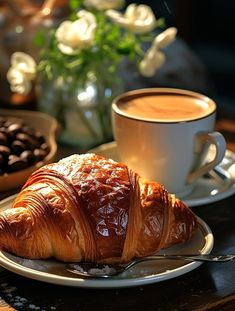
(18, 82)
(137, 18)
(104, 4)
(165, 37)
(154, 59)
(77, 35)
(24, 63)
(21, 72)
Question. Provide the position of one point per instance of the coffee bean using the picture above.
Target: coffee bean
(16, 164)
(3, 129)
(33, 133)
(2, 120)
(28, 140)
(5, 151)
(40, 137)
(12, 120)
(28, 130)
(13, 129)
(1, 161)
(45, 147)
(8, 123)
(28, 156)
(18, 147)
(39, 154)
(3, 138)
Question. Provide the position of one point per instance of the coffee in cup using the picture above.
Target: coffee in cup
(164, 134)
(163, 108)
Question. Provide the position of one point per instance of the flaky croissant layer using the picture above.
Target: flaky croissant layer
(88, 207)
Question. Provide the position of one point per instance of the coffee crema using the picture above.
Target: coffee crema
(166, 108)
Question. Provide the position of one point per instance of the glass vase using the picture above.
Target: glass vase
(82, 105)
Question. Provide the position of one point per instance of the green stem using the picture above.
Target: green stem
(101, 109)
(87, 123)
(102, 102)
(81, 114)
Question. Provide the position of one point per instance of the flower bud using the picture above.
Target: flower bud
(137, 18)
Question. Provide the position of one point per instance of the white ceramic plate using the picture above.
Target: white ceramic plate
(145, 273)
(208, 189)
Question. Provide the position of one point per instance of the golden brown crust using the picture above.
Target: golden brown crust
(87, 207)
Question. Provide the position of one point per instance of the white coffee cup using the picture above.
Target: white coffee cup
(164, 135)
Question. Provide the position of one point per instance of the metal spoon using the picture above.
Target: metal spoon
(89, 269)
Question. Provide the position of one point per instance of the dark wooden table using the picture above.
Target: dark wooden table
(208, 287)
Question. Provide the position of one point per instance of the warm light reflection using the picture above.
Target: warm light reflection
(19, 29)
(86, 97)
(46, 11)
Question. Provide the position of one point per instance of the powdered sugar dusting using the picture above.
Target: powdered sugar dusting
(105, 270)
(95, 271)
(34, 264)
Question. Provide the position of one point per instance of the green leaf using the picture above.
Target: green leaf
(161, 23)
(75, 4)
(39, 38)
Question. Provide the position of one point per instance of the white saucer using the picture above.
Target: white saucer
(208, 189)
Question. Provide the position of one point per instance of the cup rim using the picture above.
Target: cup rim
(162, 91)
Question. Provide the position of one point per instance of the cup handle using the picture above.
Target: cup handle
(212, 138)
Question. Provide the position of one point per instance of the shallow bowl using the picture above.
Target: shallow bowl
(42, 122)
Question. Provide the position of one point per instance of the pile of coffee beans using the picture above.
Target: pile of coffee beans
(20, 145)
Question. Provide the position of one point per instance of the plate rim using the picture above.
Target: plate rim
(19, 269)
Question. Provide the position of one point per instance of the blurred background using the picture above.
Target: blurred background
(201, 59)
(206, 27)
(20, 21)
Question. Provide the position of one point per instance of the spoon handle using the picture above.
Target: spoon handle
(105, 270)
(210, 258)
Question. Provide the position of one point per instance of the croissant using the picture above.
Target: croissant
(88, 207)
